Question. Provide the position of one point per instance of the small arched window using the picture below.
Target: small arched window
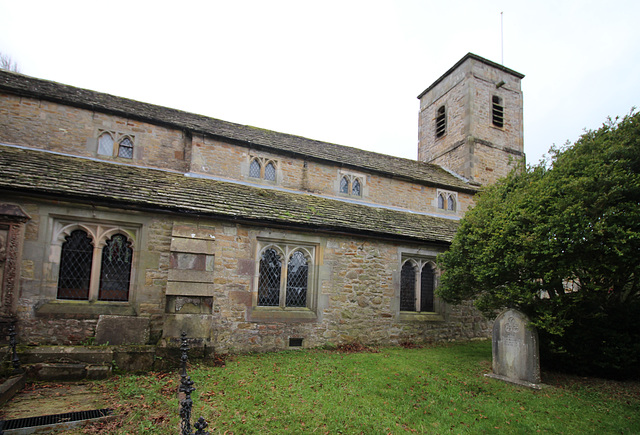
(451, 203)
(125, 148)
(254, 169)
(355, 187)
(270, 172)
(105, 144)
(76, 258)
(441, 201)
(344, 185)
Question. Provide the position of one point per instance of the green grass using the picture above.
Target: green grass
(427, 390)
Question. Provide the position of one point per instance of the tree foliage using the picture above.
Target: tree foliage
(561, 242)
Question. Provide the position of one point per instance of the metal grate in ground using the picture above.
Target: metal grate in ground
(48, 420)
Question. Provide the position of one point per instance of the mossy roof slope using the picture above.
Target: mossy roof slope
(389, 166)
(84, 180)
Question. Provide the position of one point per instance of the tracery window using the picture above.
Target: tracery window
(93, 250)
(417, 285)
(351, 185)
(284, 276)
(111, 143)
(263, 168)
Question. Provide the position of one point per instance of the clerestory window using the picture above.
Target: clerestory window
(285, 276)
(95, 263)
(447, 201)
(417, 285)
(111, 143)
(262, 168)
(497, 111)
(351, 185)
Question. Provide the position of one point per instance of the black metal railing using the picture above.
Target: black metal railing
(15, 361)
(186, 403)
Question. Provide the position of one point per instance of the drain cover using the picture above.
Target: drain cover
(47, 420)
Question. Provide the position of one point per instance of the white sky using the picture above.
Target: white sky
(344, 71)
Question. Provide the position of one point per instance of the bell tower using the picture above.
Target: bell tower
(471, 120)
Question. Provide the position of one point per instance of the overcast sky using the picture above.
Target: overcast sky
(344, 71)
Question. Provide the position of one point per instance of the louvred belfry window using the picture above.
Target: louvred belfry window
(441, 121)
(75, 266)
(497, 111)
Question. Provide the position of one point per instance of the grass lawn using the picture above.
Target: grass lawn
(439, 389)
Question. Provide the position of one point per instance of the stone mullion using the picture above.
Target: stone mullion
(94, 283)
(417, 288)
(283, 278)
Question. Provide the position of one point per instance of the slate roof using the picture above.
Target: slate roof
(51, 175)
(257, 138)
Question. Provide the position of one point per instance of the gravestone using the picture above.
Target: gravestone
(516, 357)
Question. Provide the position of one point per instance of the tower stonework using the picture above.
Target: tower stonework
(471, 120)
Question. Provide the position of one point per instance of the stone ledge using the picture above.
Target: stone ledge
(420, 317)
(86, 308)
(10, 387)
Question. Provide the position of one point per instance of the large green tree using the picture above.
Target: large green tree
(561, 242)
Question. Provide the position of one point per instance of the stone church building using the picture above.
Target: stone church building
(114, 211)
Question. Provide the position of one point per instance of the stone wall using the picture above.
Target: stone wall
(55, 127)
(354, 287)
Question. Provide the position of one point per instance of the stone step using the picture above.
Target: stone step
(66, 371)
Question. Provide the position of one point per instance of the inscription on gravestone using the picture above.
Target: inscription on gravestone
(515, 350)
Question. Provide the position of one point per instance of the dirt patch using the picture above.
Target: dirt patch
(611, 388)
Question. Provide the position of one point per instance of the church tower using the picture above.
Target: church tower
(471, 120)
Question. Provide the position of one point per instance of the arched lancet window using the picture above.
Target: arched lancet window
(297, 280)
(441, 201)
(269, 279)
(254, 169)
(270, 172)
(125, 148)
(115, 270)
(76, 258)
(451, 203)
(344, 185)
(408, 287)
(105, 144)
(427, 281)
(355, 189)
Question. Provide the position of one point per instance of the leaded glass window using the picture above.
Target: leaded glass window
(105, 144)
(426, 288)
(408, 287)
(297, 280)
(355, 190)
(126, 148)
(270, 172)
(269, 280)
(344, 185)
(441, 201)
(115, 269)
(451, 203)
(75, 266)
(254, 169)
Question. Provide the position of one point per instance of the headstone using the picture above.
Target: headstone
(119, 330)
(516, 356)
